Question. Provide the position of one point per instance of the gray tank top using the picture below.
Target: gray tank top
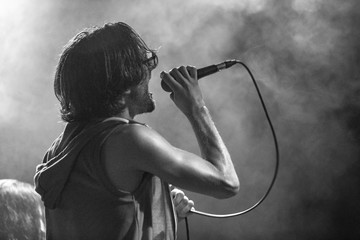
(90, 207)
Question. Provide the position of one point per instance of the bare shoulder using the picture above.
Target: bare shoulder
(133, 133)
(135, 141)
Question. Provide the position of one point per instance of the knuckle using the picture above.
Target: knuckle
(185, 201)
(181, 68)
(163, 74)
(174, 191)
(192, 68)
(180, 195)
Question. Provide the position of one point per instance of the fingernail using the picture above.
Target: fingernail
(161, 74)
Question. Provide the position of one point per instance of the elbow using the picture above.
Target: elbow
(229, 189)
(232, 189)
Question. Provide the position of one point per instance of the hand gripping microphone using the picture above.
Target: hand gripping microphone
(205, 71)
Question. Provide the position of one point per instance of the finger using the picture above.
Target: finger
(181, 207)
(184, 72)
(191, 204)
(174, 191)
(179, 196)
(182, 203)
(188, 207)
(184, 210)
(169, 80)
(175, 73)
(192, 71)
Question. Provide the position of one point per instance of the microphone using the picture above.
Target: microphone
(205, 71)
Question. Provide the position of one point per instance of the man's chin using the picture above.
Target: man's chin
(149, 108)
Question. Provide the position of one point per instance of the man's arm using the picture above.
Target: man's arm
(188, 98)
(145, 150)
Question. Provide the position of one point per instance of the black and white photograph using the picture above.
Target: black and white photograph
(193, 119)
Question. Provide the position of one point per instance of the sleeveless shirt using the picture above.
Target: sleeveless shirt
(82, 203)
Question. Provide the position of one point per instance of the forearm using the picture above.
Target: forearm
(211, 144)
(219, 177)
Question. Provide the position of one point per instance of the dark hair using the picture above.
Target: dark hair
(96, 67)
(21, 211)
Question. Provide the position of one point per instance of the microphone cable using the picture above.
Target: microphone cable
(277, 160)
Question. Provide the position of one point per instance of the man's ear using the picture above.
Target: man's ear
(127, 92)
(125, 96)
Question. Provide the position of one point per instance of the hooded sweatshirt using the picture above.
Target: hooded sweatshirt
(82, 203)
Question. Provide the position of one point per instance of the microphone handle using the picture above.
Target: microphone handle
(205, 71)
(201, 72)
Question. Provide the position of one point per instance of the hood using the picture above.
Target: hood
(52, 175)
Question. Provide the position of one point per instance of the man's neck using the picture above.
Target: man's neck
(126, 114)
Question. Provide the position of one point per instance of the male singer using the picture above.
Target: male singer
(107, 176)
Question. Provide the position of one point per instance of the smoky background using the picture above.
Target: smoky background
(305, 57)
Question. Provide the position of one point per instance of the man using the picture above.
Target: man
(107, 176)
(22, 214)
